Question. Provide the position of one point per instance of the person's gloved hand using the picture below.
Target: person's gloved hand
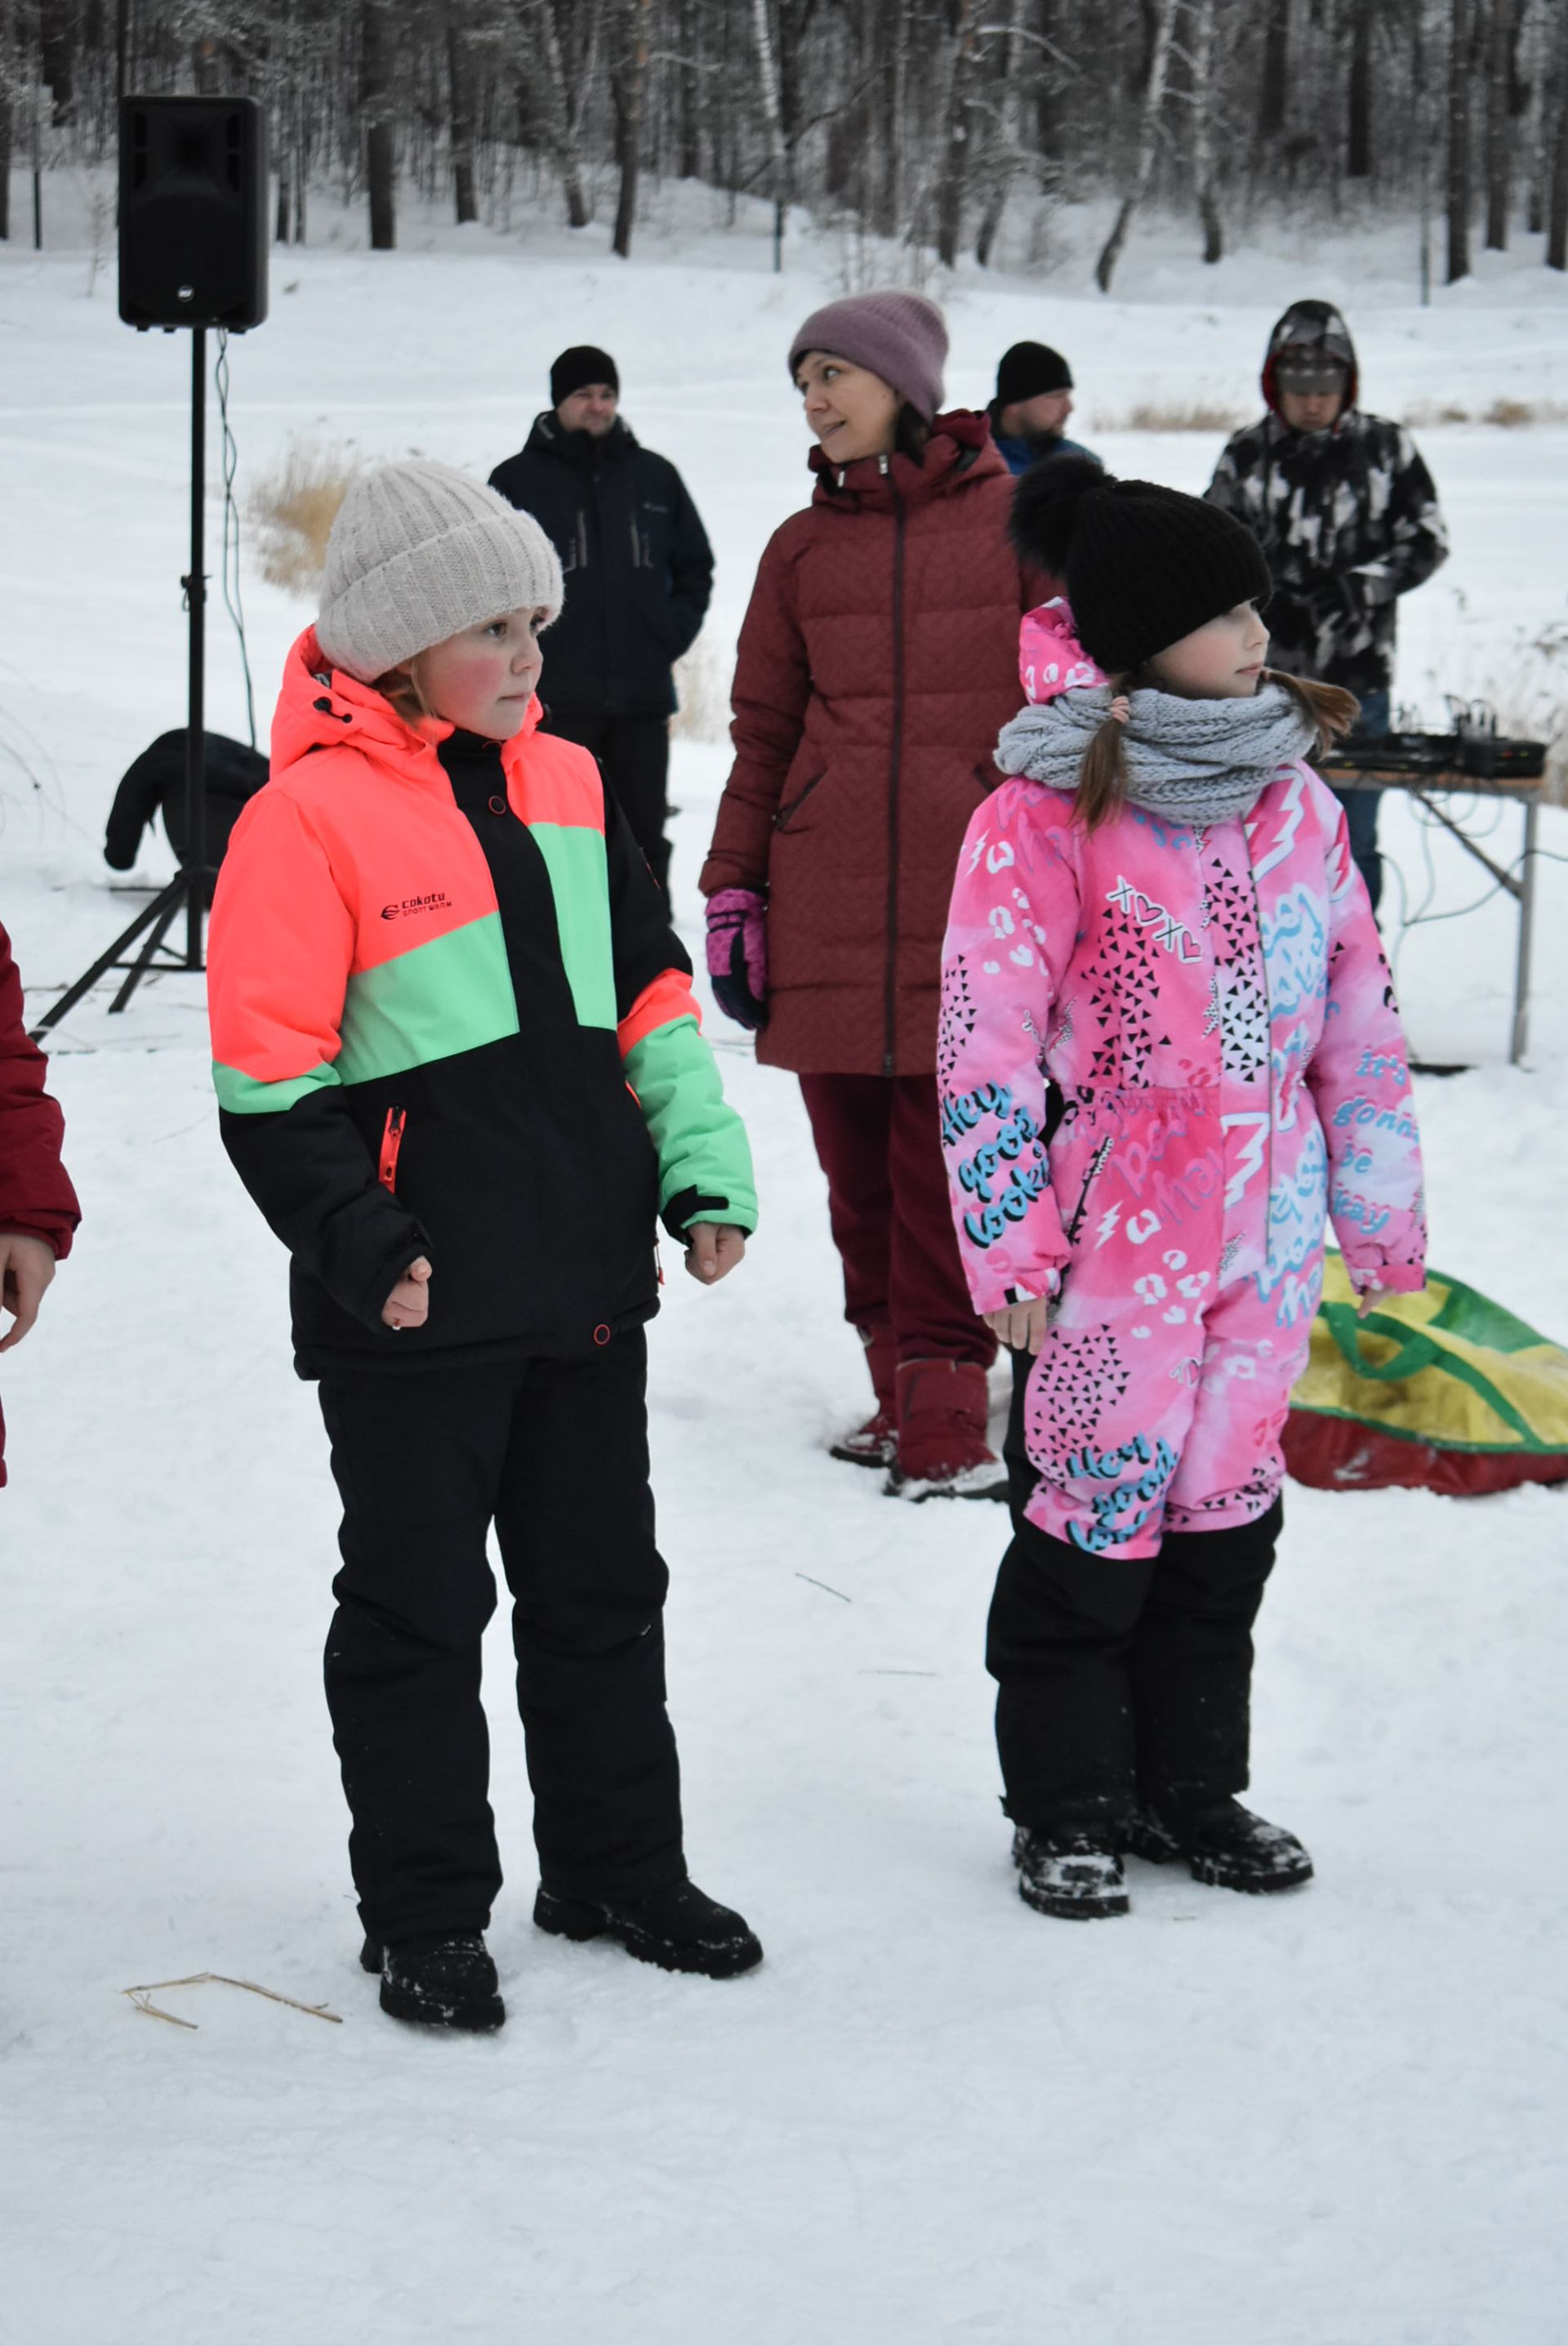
(738, 954)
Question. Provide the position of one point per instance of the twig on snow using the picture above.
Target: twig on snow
(822, 1584)
(141, 1997)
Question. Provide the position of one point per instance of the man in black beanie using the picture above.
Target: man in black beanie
(639, 572)
(1033, 400)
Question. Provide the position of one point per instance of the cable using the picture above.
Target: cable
(232, 603)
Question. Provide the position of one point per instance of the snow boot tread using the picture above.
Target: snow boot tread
(442, 1980)
(1226, 1846)
(1076, 1876)
(679, 1928)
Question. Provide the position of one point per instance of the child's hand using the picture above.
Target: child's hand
(1021, 1326)
(1368, 1300)
(713, 1250)
(408, 1305)
(27, 1267)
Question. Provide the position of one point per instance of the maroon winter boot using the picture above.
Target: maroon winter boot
(943, 1451)
(875, 1443)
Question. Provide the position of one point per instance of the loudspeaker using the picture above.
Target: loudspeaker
(193, 212)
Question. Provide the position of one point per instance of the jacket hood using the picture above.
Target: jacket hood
(960, 449)
(1320, 326)
(321, 707)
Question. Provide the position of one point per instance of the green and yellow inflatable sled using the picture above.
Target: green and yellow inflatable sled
(1442, 1391)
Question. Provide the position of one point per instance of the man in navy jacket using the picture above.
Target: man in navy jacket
(639, 572)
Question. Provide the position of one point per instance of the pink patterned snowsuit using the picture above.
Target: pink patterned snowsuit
(1216, 1011)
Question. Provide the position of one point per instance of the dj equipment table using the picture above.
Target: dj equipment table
(1527, 791)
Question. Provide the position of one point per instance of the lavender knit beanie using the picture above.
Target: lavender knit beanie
(419, 551)
(900, 336)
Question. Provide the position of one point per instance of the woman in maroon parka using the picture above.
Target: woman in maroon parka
(39, 1208)
(878, 661)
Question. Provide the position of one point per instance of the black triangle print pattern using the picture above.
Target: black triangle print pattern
(1080, 1377)
(957, 1024)
(1240, 985)
(1123, 984)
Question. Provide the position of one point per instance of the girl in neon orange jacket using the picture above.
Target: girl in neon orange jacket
(459, 1069)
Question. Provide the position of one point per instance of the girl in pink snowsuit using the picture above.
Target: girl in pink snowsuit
(1168, 1048)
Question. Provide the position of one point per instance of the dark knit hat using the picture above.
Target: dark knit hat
(1143, 565)
(900, 336)
(1028, 370)
(579, 365)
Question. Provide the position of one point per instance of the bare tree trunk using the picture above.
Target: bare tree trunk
(690, 92)
(628, 84)
(375, 86)
(1047, 110)
(1276, 81)
(1006, 82)
(1204, 170)
(1557, 204)
(7, 63)
(895, 90)
(956, 164)
(459, 72)
(562, 108)
(1459, 141)
(773, 118)
(56, 61)
(1359, 108)
(1502, 33)
(1148, 135)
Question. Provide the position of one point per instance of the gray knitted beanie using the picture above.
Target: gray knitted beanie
(419, 551)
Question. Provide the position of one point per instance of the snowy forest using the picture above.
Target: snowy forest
(909, 119)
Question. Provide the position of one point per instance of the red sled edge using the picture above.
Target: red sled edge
(1340, 1454)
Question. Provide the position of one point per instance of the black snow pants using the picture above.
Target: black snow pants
(553, 1453)
(634, 753)
(1121, 1680)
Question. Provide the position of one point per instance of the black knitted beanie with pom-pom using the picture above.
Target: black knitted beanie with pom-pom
(1143, 565)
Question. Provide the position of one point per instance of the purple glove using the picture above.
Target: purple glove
(738, 954)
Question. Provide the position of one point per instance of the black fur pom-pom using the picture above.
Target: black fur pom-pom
(1046, 508)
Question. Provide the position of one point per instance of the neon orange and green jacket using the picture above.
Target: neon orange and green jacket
(450, 1017)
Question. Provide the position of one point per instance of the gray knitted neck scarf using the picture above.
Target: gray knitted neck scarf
(1194, 762)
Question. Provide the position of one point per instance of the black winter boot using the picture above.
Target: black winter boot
(679, 1929)
(445, 1979)
(1074, 1874)
(1224, 1844)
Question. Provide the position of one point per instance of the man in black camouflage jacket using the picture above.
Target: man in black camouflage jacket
(1347, 515)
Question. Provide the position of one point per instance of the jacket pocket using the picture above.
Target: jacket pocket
(785, 818)
(392, 1146)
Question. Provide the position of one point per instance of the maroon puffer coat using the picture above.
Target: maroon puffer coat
(878, 661)
(35, 1192)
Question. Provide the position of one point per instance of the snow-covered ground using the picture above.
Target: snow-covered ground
(933, 2116)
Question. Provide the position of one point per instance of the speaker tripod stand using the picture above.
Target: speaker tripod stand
(187, 892)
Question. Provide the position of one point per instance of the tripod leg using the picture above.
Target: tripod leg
(169, 901)
(143, 961)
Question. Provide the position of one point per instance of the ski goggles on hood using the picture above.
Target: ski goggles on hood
(1310, 374)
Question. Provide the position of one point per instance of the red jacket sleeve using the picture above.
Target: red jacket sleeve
(35, 1191)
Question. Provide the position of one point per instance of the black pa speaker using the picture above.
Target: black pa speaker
(193, 212)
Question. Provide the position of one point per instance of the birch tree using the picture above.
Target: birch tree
(1204, 107)
(1147, 142)
(773, 118)
(564, 98)
(628, 83)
